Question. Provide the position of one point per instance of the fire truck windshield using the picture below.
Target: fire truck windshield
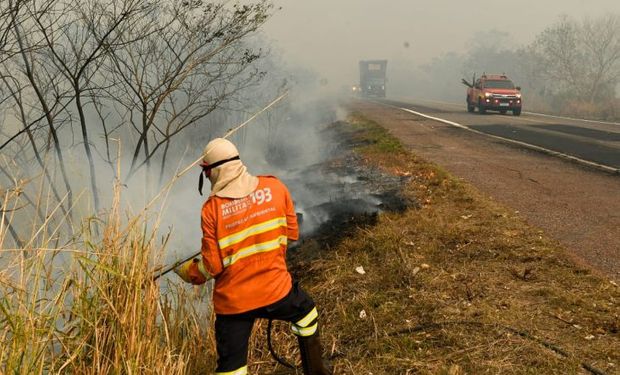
(501, 84)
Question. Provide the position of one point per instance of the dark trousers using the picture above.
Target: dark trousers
(232, 332)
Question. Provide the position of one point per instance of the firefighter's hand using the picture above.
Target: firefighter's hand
(190, 272)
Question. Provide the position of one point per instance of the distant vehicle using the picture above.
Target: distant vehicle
(356, 90)
(494, 92)
(372, 78)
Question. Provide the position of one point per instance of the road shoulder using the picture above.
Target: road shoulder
(455, 284)
(577, 206)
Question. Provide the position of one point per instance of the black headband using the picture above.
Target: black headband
(211, 166)
(218, 163)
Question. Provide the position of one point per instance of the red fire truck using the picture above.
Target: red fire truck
(495, 92)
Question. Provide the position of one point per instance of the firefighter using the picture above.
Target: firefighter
(247, 222)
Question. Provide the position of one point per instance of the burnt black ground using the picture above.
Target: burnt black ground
(353, 192)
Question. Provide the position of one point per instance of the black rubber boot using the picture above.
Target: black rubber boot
(312, 355)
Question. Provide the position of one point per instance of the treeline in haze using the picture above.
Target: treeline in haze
(571, 67)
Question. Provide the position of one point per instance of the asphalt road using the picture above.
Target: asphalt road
(596, 142)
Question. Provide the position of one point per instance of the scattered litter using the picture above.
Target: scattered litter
(400, 172)
(425, 266)
(577, 326)
(363, 315)
(409, 243)
(613, 283)
(415, 270)
(465, 217)
(589, 337)
(360, 270)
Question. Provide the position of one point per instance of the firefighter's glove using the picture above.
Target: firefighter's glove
(192, 271)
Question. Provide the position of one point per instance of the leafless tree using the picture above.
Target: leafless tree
(580, 59)
(185, 68)
(74, 74)
(601, 41)
(559, 56)
(34, 96)
(76, 42)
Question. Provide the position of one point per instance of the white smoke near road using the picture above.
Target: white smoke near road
(287, 142)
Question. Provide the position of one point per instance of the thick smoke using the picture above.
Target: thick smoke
(288, 142)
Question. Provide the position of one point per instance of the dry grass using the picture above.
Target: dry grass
(458, 285)
(92, 308)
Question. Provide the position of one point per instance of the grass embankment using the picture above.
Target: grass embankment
(456, 285)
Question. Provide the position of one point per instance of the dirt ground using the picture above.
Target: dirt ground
(577, 206)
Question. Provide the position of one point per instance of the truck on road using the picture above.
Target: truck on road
(373, 78)
(495, 92)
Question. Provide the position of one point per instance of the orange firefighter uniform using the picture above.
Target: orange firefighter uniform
(247, 223)
(244, 247)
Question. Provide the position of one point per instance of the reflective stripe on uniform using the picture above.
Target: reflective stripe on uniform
(251, 231)
(307, 331)
(240, 371)
(255, 249)
(308, 318)
(203, 270)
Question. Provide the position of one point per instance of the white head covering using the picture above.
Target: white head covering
(231, 179)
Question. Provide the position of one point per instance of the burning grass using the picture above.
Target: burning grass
(457, 285)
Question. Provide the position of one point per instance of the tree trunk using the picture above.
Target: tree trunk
(48, 117)
(12, 231)
(163, 163)
(89, 155)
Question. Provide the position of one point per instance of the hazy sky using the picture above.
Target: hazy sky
(330, 36)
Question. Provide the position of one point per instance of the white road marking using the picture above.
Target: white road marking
(573, 119)
(523, 144)
(526, 112)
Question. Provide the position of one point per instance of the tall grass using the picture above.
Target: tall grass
(91, 306)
